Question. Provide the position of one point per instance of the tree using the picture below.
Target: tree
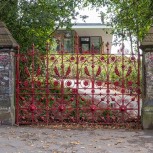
(127, 17)
(8, 11)
(34, 21)
(132, 18)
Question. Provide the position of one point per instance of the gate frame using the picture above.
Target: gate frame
(61, 108)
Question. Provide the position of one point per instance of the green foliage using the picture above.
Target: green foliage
(114, 61)
(34, 21)
(127, 17)
(131, 17)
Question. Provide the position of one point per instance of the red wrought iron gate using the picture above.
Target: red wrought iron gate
(77, 88)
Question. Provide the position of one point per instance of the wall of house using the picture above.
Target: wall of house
(104, 33)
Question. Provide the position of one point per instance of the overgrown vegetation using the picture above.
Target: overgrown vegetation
(34, 21)
(130, 19)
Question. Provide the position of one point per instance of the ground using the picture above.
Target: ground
(26, 139)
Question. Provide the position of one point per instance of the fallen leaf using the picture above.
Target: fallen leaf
(75, 142)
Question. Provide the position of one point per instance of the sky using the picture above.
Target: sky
(92, 13)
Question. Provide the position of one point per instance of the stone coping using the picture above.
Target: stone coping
(6, 39)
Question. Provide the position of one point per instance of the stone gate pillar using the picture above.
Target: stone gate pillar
(7, 79)
(147, 107)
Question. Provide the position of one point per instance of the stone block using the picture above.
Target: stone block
(7, 115)
(7, 67)
(147, 117)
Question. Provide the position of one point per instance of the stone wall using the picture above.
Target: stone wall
(7, 110)
(8, 45)
(147, 109)
(149, 75)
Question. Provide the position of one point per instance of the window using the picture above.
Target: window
(85, 39)
(64, 38)
(87, 42)
(68, 45)
(96, 42)
(85, 47)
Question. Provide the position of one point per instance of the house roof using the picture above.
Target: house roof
(92, 29)
(6, 38)
(90, 26)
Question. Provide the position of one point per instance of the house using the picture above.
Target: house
(84, 38)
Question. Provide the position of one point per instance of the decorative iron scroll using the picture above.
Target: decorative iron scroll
(77, 88)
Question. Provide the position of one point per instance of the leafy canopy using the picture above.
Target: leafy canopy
(34, 21)
(127, 16)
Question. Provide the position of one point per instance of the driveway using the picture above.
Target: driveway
(56, 139)
(85, 89)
